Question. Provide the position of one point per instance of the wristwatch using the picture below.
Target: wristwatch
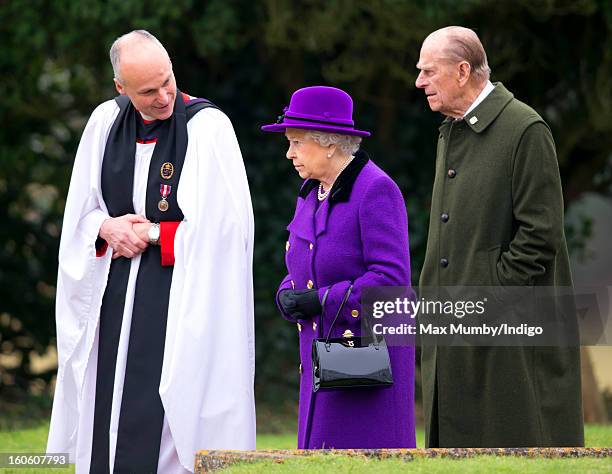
(154, 234)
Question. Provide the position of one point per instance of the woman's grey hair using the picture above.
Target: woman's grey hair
(463, 44)
(348, 144)
(115, 50)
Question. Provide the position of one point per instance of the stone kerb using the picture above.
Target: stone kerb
(209, 460)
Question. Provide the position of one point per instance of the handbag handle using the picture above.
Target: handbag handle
(344, 300)
(323, 301)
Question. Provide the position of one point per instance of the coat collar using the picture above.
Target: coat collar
(341, 189)
(487, 111)
(309, 220)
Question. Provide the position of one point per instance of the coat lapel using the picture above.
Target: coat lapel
(303, 224)
(320, 220)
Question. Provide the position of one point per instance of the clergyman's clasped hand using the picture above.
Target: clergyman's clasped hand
(300, 304)
(126, 235)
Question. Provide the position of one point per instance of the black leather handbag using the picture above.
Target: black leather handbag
(349, 362)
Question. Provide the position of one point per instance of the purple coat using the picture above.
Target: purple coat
(358, 235)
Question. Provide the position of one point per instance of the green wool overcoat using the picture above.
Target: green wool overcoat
(497, 219)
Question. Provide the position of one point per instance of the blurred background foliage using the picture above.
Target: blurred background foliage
(248, 57)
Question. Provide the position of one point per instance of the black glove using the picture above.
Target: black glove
(300, 304)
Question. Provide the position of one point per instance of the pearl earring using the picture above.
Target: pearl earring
(329, 155)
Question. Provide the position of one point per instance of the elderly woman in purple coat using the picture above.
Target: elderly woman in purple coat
(350, 228)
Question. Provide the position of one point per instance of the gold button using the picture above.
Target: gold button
(299, 327)
(287, 245)
(300, 368)
(292, 284)
(314, 326)
(311, 246)
(348, 333)
(310, 284)
(354, 313)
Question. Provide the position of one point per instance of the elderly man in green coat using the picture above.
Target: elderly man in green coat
(496, 220)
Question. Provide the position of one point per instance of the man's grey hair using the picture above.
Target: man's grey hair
(348, 144)
(463, 44)
(115, 50)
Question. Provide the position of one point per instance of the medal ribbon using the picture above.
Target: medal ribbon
(165, 190)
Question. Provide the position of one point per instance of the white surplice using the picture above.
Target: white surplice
(208, 370)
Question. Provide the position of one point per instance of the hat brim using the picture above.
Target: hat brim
(281, 127)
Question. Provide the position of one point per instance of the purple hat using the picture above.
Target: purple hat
(322, 108)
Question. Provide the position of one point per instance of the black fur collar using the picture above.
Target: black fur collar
(341, 190)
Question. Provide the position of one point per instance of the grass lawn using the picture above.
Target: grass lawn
(595, 436)
(33, 440)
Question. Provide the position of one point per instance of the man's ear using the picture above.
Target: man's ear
(464, 72)
(119, 87)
